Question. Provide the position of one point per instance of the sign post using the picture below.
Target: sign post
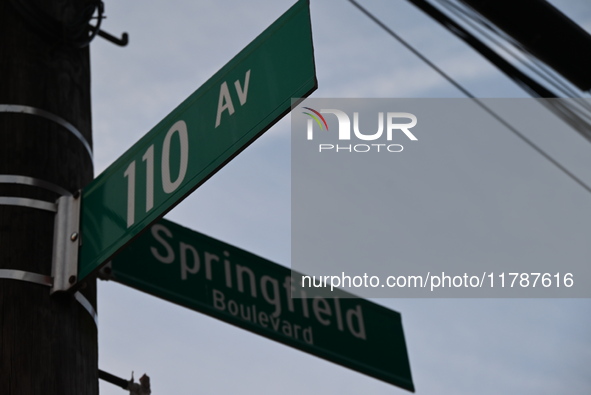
(209, 276)
(227, 113)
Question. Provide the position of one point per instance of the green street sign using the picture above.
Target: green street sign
(206, 275)
(227, 113)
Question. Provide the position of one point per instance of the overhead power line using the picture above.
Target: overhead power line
(575, 111)
(471, 96)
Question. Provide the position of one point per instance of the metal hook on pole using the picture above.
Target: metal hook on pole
(122, 42)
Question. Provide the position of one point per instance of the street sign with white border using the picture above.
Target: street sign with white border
(226, 114)
(212, 277)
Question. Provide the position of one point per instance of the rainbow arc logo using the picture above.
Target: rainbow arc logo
(315, 117)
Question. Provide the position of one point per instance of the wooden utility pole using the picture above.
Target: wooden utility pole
(48, 343)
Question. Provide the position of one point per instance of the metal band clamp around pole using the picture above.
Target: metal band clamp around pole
(34, 182)
(87, 306)
(26, 202)
(17, 108)
(26, 276)
(41, 279)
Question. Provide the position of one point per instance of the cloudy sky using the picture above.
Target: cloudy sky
(456, 346)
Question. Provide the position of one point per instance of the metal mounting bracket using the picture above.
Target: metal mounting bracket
(66, 240)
